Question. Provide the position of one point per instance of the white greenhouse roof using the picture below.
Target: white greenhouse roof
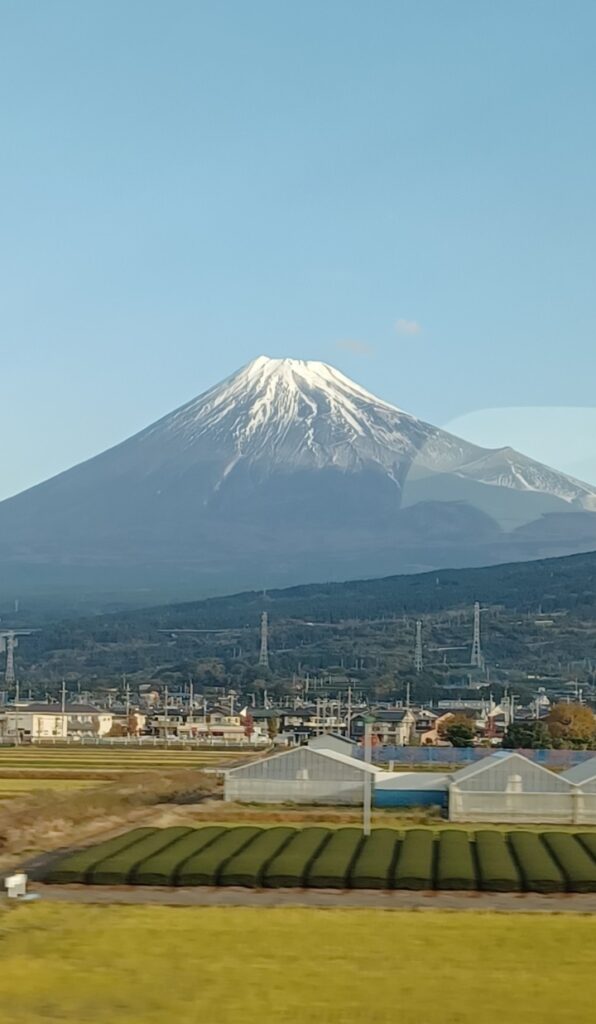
(411, 780)
(492, 772)
(353, 762)
(332, 755)
(582, 772)
(490, 761)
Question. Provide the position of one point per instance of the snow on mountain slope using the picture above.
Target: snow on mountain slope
(291, 413)
(286, 472)
(504, 467)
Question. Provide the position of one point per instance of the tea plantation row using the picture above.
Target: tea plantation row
(325, 858)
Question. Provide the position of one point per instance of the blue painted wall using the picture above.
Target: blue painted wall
(411, 798)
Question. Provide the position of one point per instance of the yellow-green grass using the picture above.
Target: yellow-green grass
(10, 788)
(155, 965)
(35, 762)
(19, 755)
(266, 815)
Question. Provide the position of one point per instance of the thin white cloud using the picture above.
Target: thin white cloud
(408, 327)
(357, 348)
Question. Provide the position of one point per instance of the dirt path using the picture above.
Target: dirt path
(231, 897)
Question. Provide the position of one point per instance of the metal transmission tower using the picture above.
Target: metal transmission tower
(418, 648)
(477, 659)
(264, 653)
(9, 640)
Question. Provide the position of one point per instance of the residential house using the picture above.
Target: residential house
(393, 727)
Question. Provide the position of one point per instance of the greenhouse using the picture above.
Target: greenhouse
(508, 787)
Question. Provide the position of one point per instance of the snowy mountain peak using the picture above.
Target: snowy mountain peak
(299, 375)
(287, 414)
(303, 413)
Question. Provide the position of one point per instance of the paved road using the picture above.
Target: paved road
(373, 899)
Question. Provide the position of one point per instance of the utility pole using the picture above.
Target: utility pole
(349, 717)
(191, 697)
(367, 802)
(166, 713)
(64, 721)
(17, 736)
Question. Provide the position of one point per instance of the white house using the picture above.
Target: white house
(38, 721)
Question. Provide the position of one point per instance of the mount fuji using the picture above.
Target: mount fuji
(286, 472)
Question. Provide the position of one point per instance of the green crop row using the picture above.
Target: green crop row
(497, 869)
(318, 857)
(289, 868)
(455, 861)
(77, 866)
(331, 867)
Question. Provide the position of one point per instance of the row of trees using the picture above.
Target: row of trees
(567, 726)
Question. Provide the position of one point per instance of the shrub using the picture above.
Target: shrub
(575, 862)
(588, 841)
(375, 861)
(76, 866)
(539, 871)
(203, 868)
(162, 867)
(455, 861)
(248, 866)
(290, 866)
(331, 867)
(497, 870)
(119, 868)
(414, 868)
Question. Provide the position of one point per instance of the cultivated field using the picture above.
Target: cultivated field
(341, 858)
(30, 769)
(148, 965)
(103, 761)
(14, 787)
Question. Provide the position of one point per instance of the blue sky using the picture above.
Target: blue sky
(186, 185)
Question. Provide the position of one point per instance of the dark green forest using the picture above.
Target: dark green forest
(538, 623)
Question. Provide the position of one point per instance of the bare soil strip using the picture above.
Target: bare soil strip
(350, 899)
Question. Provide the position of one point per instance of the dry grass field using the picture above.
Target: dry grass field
(148, 965)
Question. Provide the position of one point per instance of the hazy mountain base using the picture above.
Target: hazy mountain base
(364, 627)
(421, 538)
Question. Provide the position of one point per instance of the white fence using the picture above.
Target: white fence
(572, 808)
(135, 741)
